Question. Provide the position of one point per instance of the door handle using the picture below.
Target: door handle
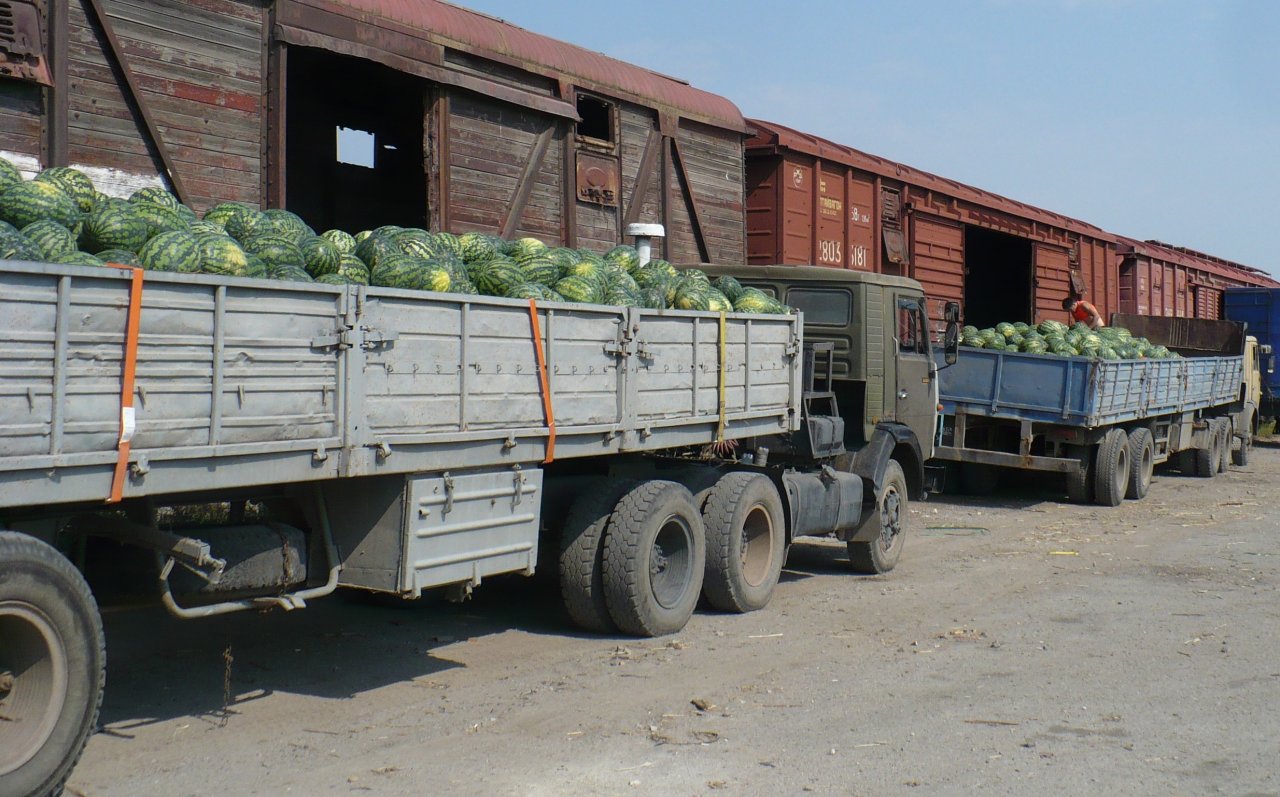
(902, 394)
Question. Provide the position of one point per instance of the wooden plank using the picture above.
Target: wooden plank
(156, 23)
(678, 163)
(521, 197)
(644, 176)
(175, 180)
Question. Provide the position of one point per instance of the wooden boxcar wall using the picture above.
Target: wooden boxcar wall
(1155, 281)
(807, 210)
(195, 68)
(174, 92)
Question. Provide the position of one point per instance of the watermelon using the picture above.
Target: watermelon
(354, 269)
(73, 183)
(320, 256)
(277, 251)
(334, 279)
(246, 224)
(387, 229)
(754, 300)
(692, 294)
(8, 173)
(623, 280)
(114, 224)
(202, 227)
(18, 248)
(661, 265)
(532, 290)
(122, 256)
(524, 247)
(581, 289)
(287, 225)
(717, 302)
(589, 269)
(496, 277)
(345, 242)
(158, 219)
(77, 258)
(626, 257)
(360, 236)
(563, 256)
(222, 213)
(222, 255)
(177, 250)
(258, 267)
(375, 247)
(288, 273)
(731, 288)
(24, 203)
(541, 269)
(154, 195)
(652, 298)
(51, 238)
(420, 246)
(622, 296)
(187, 214)
(448, 242)
(476, 247)
(400, 271)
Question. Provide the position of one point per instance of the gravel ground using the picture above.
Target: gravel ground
(1023, 646)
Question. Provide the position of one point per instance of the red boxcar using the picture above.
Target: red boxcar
(1161, 279)
(811, 201)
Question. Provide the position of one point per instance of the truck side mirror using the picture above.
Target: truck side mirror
(951, 341)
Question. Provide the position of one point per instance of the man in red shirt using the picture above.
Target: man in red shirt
(1080, 310)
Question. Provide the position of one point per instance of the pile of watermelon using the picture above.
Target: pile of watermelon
(1058, 339)
(60, 217)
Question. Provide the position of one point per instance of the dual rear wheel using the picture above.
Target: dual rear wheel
(635, 556)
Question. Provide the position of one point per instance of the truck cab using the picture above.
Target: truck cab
(871, 347)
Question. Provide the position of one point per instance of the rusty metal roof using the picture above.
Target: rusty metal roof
(771, 134)
(481, 35)
(1190, 258)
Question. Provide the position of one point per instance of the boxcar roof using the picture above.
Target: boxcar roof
(485, 36)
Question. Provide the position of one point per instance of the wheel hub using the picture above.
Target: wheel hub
(33, 682)
(670, 558)
(890, 518)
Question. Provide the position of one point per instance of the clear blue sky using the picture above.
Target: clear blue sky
(1150, 119)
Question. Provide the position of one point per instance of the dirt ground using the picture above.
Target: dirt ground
(1023, 646)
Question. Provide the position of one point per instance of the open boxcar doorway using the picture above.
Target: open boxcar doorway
(353, 143)
(998, 284)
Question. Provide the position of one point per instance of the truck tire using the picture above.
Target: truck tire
(1080, 481)
(1205, 460)
(52, 662)
(881, 554)
(654, 555)
(1224, 445)
(1240, 456)
(581, 562)
(746, 542)
(1142, 464)
(1111, 470)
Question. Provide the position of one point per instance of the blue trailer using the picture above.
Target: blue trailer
(1104, 424)
(1259, 310)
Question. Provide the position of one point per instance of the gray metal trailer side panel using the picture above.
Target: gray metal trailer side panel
(248, 382)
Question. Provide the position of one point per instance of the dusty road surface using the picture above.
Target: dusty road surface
(1023, 646)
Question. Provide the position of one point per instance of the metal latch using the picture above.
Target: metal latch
(448, 493)
(337, 339)
(519, 479)
(375, 338)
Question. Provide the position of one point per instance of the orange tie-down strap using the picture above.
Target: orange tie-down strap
(127, 418)
(547, 410)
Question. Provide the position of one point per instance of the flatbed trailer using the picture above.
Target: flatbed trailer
(1104, 424)
(224, 444)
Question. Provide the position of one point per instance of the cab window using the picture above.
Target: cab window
(911, 332)
(828, 308)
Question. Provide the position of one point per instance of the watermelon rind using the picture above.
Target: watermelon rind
(51, 238)
(24, 203)
(177, 250)
(74, 183)
(114, 224)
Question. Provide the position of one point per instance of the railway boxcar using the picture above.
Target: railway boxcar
(431, 114)
(1164, 280)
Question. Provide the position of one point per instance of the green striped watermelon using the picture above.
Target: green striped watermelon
(360, 236)
(622, 296)
(23, 203)
(114, 224)
(288, 225)
(729, 286)
(8, 173)
(122, 256)
(345, 242)
(177, 250)
(335, 279)
(320, 256)
(51, 238)
(74, 183)
(448, 242)
(288, 273)
(476, 247)
(158, 219)
(375, 247)
(541, 269)
(563, 256)
(77, 258)
(247, 224)
(154, 195)
(581, 289)
(222, 213)
(18, 248)
(626, 257)
(277, 251)
(652, 298)
(354, 269)
(220, 254)
(496, 277)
